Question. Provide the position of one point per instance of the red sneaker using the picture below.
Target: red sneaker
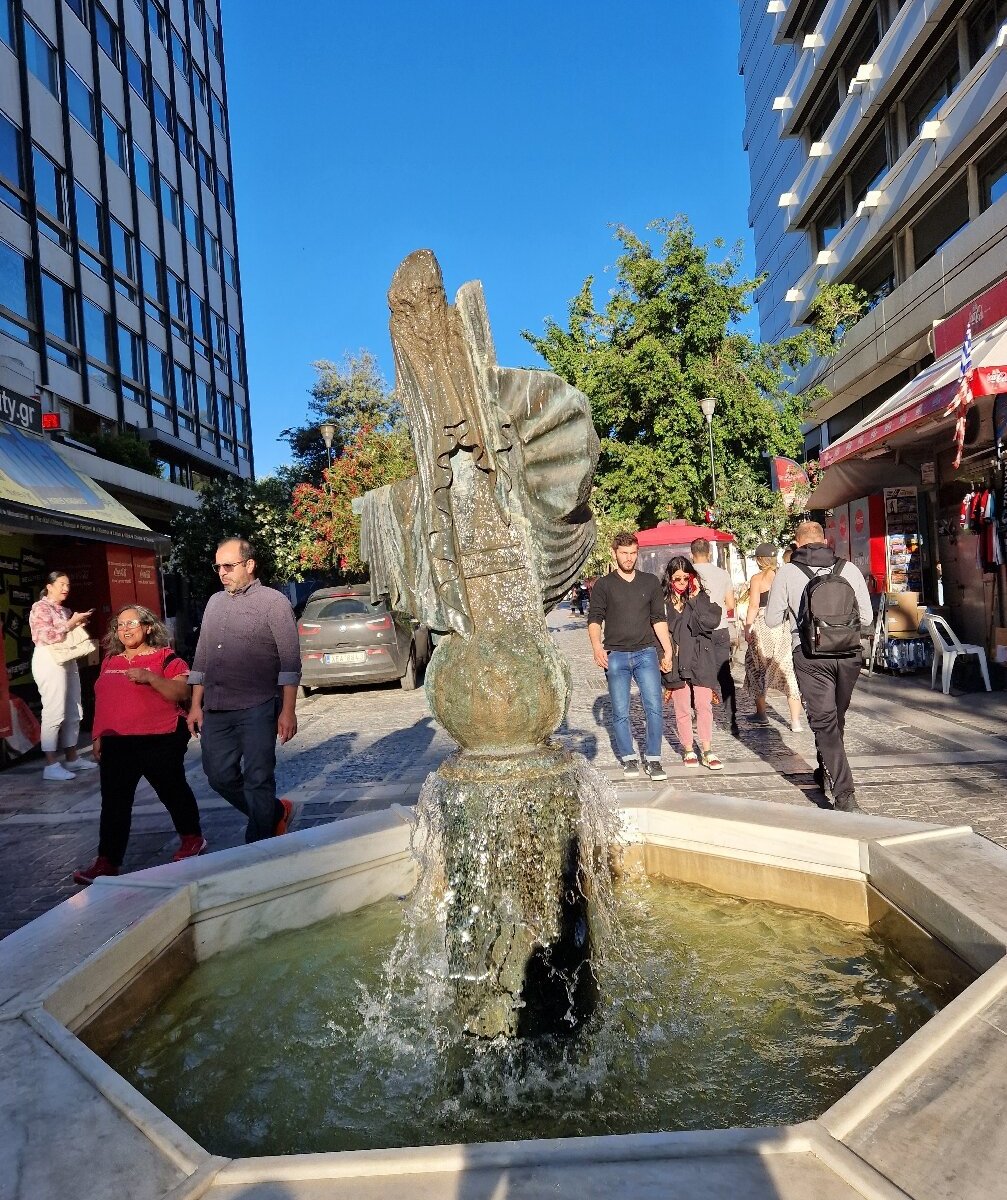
(191, 845)
(100, 866)
(283, 824)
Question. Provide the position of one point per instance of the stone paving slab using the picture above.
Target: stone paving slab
(915, 753)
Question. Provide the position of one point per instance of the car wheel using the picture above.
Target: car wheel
(303, 691)
(409, 679)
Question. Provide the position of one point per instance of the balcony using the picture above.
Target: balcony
(816, 62)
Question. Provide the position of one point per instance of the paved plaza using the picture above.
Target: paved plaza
(915, 753)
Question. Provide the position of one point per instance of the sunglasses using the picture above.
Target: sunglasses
(220, 568)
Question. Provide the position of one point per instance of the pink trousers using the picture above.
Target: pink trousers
(682, 698)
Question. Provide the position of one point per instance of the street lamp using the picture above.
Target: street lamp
(328, 432)
(708, 404)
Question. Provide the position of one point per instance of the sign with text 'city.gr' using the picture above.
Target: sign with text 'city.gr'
(23, 411)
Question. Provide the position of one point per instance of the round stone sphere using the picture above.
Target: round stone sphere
(500, 691)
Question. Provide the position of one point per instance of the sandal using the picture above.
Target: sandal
(711, 761)
(690, 758)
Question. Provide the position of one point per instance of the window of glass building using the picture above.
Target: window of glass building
(204, 395)
(7, 23)
(191, 225)
(935, 84)
(993, 175)
(162, 106)
(17, 309)
(217, 112)
(98, 342)
(941, 221)
(184, 401)
(146, 178)
(198, 11)
(224, 192)
(244, 432)
(106, 33)
(183, 135)
(160, 380)
(41, 58)
(219, 328)
(80, 102)
(79, 10)
(212, 249)
(870, 168)
(90, 231)
(170, 205)
(12, 191)
(158, 21)
(825, 111)
(153, 282)
(213, 40)
(115, 142)
(179, 54)
(50, 198)
(200, 87)
(204, 167)
(200, 326)
(60, 322)
(984, 26)
(830, 221)
(878, 278)
(178, 295)
(137, 73)
(237, 360)
(224, 414)
(123, 259)
(131, 355)
(230, 269)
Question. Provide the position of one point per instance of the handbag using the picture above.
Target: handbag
(76, 644)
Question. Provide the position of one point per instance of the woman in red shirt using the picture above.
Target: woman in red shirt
(139, 732)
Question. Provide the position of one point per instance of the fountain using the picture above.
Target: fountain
(487, 537)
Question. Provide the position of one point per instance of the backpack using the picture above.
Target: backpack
(828, 618)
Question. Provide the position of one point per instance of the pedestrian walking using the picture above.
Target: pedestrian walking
(769, 657)
(628, 605)
(827, 605)
(244, 680)
(141, 699)
(52, 626)
(720, 589)
(693, 619)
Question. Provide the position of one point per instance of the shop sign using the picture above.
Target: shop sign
(981, 313)
(23, 411)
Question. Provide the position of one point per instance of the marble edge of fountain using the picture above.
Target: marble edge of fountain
(923, 1119)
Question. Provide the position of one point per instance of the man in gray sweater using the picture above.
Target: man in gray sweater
(826, 683)
(244, 680)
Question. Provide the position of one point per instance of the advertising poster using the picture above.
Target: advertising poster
(902, 530)
(860, 535)
(22, 569)
(837, 530)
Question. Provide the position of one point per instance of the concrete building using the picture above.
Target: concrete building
(120, 306)
(877, 142)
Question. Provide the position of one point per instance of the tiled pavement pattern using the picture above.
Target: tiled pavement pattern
(915, 754)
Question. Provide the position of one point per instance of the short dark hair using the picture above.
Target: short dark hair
(700, 546)
(245, 548)
(50, 579)
(625, 538)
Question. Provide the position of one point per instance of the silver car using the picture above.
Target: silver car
(346, 638)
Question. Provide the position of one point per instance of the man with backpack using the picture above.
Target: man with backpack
(828, 605)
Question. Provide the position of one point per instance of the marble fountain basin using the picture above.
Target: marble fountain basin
(928, 1123)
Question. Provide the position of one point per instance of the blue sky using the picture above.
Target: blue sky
(508, 137)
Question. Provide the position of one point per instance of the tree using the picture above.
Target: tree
(329, 531)
(669, 335)
(350, 396)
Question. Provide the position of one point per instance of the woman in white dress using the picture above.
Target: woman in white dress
(769, 659)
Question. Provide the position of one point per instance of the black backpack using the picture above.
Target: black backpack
(828, 618)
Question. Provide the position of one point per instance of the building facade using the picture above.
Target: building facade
(119, 284)
(877, 139)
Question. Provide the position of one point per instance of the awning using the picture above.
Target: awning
(928, 395)
(854, 478)
(41, 493)
(680, 533)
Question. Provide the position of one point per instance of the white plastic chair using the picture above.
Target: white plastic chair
(947, 648)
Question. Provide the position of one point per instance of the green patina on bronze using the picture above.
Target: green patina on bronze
(480, 545)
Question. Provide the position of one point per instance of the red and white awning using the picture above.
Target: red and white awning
(928, 395)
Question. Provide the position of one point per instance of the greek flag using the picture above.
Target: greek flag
(963, 396)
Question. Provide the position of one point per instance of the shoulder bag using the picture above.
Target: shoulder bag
(76, 644)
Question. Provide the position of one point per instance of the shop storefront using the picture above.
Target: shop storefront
(900, 508)
(53, 517)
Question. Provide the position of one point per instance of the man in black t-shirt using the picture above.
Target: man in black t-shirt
(630, 605)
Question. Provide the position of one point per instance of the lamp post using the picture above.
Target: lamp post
(708, 404)
(328, 432)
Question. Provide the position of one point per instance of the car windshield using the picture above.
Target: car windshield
(341, 608)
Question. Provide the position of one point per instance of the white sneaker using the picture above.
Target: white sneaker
(81, 764)
(57, 774)
(796, 727)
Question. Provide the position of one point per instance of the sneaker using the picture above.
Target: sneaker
(191, 845)
(101, 866)
(847, 803)
(630, 768)
(796, 727)
(284, 823)
(654, 770)
(56, 773)
(81, 764)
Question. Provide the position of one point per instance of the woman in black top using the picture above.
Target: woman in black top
(692, 680)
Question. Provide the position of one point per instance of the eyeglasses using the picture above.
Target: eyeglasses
(220, 568)
(127, 624)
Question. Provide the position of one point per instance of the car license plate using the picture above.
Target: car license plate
(353, 656)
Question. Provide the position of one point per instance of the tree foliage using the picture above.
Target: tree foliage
(329, 530)
(351, 395)
(669, 334)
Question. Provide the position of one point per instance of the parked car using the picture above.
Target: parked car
(346, 638)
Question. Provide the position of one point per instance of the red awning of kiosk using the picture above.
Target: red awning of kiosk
(927, 396)
(680, 533)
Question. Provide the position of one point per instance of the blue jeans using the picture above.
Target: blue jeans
(239, 758)
(641, 665)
